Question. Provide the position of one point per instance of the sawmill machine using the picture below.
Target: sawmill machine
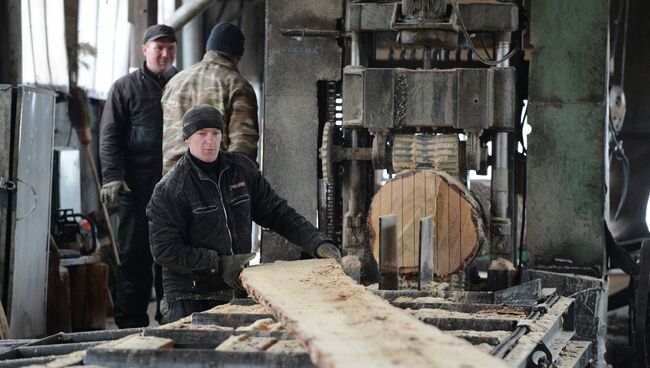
(428, 85)
(380, 90)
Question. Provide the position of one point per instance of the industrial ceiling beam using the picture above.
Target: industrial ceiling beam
(186, 12)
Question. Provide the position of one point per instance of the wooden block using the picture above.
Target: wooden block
(137, 342)
(89, 296)
(246, 343)
(287, 347)
(409, 237)
(442, 227)
(454, 226)
(344, 325)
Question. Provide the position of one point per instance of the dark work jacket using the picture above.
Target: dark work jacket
(194, 219)
(130, 140)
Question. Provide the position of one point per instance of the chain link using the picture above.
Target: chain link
(7, 185)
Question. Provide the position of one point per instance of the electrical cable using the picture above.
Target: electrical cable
(620, 155)
(471, 45)
(480, 35)
(622, 76)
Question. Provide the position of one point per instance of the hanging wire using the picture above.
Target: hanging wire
(480, 36)
(33, 204)
(618, 151)
(620, 155)
(471, 45)
(622, 76)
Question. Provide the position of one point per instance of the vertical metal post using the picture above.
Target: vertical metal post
(427, 252)
(501, 224)
(388, 261)
(355, 240)
(190, 33)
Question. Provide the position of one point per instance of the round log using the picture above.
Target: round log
(459, 222)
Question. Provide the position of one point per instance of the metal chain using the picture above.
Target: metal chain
(6, 184)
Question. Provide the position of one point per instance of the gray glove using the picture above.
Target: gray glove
(328, 250)
(110, 190)
(231, 267)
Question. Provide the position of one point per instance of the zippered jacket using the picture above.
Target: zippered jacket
(130, 140)
(194, 218)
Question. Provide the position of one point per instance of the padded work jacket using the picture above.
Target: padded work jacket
(193, 220)
(130, 140)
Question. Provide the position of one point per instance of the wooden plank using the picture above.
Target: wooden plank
(468, 239)
(420, 197)
(396, 204)
(246, 343)
(409, 236)
(344, 325)
(431, 209)
(442, 226)
(388, 253)
(137, 342)
(454, 229)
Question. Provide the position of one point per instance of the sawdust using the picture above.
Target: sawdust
(422, 299)
(236, 308)
(265, 324)
(287, 347)
(435, 287)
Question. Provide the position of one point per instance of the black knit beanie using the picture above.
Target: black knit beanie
(226, 37)
(199, 117)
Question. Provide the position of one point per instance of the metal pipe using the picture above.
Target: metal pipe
(501, 228)
(355, 59)
(186, 12)
(308, 32)
(503, 47)
(191, 52)
(500, 175)
(355, 174)
(355, 178)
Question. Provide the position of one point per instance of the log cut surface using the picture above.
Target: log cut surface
(344, 325)
(458, 222)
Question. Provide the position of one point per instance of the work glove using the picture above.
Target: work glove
(328, 250)
(110, 190)
(231, 267)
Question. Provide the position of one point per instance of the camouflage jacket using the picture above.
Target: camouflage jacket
(216, 81)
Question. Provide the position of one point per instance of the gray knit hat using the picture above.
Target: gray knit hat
(199, 117)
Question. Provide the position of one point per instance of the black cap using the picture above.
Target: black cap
(157, 31)
(200, 117)
(226, 37)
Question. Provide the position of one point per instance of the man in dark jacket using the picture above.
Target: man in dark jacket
(131, 157)
(200, 219)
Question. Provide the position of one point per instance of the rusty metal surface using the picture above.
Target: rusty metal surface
(462, 98)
